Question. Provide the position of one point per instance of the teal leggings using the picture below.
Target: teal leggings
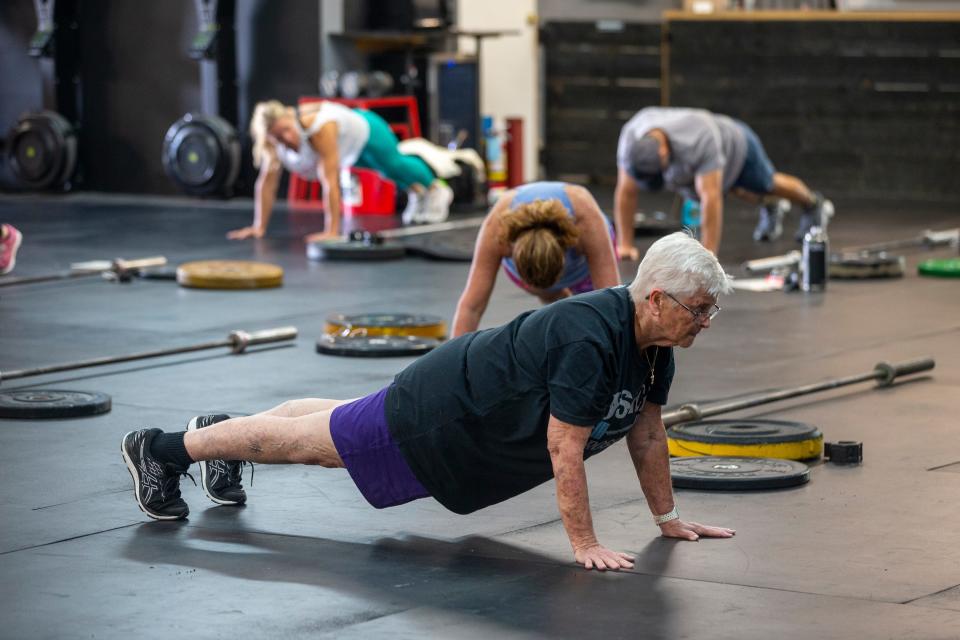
(380, 154)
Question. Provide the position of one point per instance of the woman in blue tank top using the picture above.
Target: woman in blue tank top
(551, 239)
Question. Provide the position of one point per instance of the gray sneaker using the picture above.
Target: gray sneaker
(437, 205)
(770, 225)
(415, 205)
(220, 479)
(818, 215)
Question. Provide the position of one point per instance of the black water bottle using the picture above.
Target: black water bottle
(813, 260)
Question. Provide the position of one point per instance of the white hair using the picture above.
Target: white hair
(680, 265)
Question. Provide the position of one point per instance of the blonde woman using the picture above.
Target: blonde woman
(551, 239)
(319, 140)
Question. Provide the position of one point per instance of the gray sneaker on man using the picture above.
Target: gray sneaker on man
(816, 215)
(770, 225)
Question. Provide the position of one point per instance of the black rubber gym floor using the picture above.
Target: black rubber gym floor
(859, 552)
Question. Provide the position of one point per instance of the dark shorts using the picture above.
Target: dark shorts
(362, 438)
(757, 173)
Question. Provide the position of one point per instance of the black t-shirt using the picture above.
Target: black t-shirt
(471, 416)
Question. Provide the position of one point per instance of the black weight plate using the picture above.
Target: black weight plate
(744, 431)
(737, 474)
(856, 267)
(52, 403)
(375, 347)
(157, 273)
(384, 320)
(347, 250)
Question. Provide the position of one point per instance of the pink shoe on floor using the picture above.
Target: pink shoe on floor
(8, 248)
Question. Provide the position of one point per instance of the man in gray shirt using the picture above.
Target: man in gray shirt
(703, 156)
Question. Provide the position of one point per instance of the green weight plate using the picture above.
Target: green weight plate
(943, 268)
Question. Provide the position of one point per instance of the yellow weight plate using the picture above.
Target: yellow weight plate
(746, 439)
(800, 450)
(377, 325)
(229, 274)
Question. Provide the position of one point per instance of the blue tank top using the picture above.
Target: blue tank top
(575, 268)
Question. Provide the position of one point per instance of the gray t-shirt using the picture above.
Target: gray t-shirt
(700, 142)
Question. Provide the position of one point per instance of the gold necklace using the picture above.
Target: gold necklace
(650, 362)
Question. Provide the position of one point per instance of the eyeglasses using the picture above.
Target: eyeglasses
(698, 316)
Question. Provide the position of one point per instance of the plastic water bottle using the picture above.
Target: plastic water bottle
(813, 260)
(690, 214)
(496, 162)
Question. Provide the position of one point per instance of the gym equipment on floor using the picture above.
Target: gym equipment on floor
(237, 341)
(119, 270)
(229, 274)
(883, 373)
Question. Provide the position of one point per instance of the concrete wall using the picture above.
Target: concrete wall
(650, 10)
(509, 65)
(626, 10)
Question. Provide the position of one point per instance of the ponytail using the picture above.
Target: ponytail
(540, 233)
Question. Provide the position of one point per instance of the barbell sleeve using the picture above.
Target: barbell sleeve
(884, 373)
(240, 340)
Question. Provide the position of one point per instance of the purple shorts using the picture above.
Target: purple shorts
(362, 438)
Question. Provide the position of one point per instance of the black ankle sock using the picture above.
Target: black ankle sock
(168, 447)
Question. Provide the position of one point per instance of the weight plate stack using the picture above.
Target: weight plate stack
(746, 438)
(387, 324)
